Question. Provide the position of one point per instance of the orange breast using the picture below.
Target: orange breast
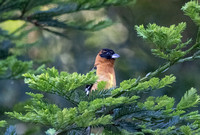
(107, 74)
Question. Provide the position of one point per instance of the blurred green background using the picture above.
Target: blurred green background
(76, 51)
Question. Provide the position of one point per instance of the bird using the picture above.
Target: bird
(104, 66)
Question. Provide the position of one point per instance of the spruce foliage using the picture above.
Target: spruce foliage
(32, 13)
(11, 68)
(192, 9)
(167, 40)
(119, 110)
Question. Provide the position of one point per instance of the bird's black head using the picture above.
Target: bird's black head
(108, 54)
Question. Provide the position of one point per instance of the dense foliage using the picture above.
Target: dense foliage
(44, 15)
(119, 110)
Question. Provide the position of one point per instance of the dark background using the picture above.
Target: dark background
(77, 52)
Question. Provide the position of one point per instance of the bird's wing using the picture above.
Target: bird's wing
(88, 87)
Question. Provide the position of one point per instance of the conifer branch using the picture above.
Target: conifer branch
(166, 66)
(155, 115)
(191, 58)
(162, 69)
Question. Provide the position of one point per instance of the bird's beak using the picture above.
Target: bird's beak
(114, 56)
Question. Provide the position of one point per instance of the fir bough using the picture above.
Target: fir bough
(155, 115)
(12, 68)
(190, 99)
(119, 110)
(30, 11)
(192, 9)
(63, 84)
(83, 115)
(137, 87)
(167, 41)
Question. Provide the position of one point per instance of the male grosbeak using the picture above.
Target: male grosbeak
(104, 65)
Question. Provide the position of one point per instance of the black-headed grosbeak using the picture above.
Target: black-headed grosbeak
(104, 65)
